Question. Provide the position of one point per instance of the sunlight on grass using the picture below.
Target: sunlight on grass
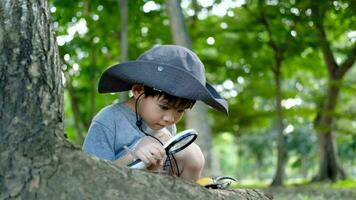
(345, 184)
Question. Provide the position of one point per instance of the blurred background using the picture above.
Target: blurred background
(286, 68)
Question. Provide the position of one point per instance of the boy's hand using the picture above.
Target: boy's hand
(164, 135)
(150, 151)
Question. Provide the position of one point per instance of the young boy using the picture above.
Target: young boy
(165, 81)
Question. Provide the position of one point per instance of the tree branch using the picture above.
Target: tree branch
(318, 18)
(347, 64)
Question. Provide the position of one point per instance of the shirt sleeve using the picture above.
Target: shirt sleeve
(100, 141)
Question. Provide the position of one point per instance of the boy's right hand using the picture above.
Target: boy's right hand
(150, 151)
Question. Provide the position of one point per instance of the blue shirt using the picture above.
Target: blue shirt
(113, 128)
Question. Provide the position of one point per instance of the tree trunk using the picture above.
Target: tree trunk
(93, 72)
(79, 123)
(196, 118)
(124, 42)
(178, 28)
(259, 166)
(124, 47)
(278, 59)
(36, 161)
(329, 167)
(281, 158)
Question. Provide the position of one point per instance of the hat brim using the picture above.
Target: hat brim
(170, 79)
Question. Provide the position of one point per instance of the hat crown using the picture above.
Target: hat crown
(176, 56)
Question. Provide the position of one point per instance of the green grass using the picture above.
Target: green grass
(250, 184)
(303, 190)
(345, 184)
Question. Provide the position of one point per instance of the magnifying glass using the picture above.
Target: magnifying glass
(177, 143)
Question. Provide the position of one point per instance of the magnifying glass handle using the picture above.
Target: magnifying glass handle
(138, 165)
(180, 137)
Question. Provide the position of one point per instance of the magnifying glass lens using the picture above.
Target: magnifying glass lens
(174, 145)
(181, 142)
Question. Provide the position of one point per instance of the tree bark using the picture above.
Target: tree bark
(36, 161)
(197, 117)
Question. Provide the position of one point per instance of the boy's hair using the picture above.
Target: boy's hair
(173, 101)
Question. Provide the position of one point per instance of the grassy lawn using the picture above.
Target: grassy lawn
(341, 190)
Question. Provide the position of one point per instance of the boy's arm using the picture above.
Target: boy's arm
(125, 160)
(99, 141)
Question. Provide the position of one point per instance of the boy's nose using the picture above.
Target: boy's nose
(168, 118)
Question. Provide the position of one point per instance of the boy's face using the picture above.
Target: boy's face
(157, 113)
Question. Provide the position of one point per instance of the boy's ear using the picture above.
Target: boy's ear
(137, 90)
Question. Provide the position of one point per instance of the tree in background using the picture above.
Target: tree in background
(279, 42)
(275, 40)
(329, 166)
(307, 41)
(124, 41)
(234, 48)
(197, 117)
(84, 49)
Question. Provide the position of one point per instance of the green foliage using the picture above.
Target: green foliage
(239, 62)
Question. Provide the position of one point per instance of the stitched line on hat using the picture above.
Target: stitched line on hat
(157, 89)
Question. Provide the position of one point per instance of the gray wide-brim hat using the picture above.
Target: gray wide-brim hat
(172, 69)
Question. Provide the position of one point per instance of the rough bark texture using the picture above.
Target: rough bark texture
(36, 161)
(196, 118)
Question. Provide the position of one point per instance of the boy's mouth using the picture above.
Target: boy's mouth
(160, 126)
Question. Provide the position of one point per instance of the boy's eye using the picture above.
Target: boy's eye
(163, 107)
(180, 111)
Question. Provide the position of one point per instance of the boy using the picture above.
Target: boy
(165, 81)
